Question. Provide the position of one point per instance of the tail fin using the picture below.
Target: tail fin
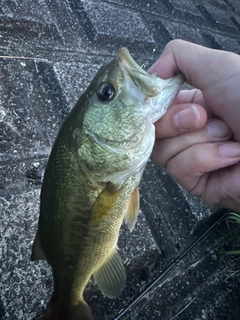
(78, 312)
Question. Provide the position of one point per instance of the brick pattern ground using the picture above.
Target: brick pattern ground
(49, 52)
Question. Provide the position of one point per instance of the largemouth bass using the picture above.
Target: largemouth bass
(91, 181)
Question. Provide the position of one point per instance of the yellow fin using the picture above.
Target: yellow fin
(37, 251)
(104, 203)
(111, 276)
(132, 209)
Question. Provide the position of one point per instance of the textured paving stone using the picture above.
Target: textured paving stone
(73, 78)
(151, 6)
(218, 18)
(165, 31)
(234, 5)
(107, 23)
(64, 43)
(194, 288)
(228, 43)
(161, 214)
(183, 9)
(25, 26)
(22, 123)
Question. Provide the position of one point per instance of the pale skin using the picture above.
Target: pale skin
(198, 139)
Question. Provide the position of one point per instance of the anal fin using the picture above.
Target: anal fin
(111, 276)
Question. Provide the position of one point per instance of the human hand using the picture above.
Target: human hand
(198, 139)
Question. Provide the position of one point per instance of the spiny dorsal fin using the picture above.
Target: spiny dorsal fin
(132, 209)
(111, 276)
(37, 251)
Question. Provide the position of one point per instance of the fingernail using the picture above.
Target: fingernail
(187, 119)
(230, 149)
(217, 129)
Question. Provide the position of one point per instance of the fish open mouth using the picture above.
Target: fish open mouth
(150, 85)
(138, 76)
(128, 62)
(155, 93)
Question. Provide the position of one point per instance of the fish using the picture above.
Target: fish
(91, 182)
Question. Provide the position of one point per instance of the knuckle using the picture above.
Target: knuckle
(174, 42)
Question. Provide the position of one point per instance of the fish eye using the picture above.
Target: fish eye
(106, 91)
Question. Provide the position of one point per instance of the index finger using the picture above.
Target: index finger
(198, 64)
(216, 73)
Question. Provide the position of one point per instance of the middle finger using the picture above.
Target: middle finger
(165, 149)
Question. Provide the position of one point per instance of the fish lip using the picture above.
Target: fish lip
(133, 71)
(148, 84)
(127, 61)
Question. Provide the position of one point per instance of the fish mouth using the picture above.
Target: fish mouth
(127, 61)
(150, 85)
(155, 94)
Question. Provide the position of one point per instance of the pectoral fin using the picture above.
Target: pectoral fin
(111, 276)
(37, 251)
(132, 209)
(104, 203)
